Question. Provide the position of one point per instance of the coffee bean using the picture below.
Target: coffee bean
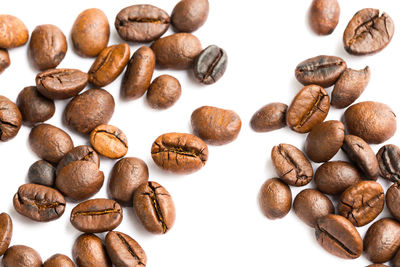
(275, 199)
(5, 61)
(154, 207)
(362, 203)
(127, 174)
(109, 141)
(270, 117)
(21, 256)
(88, 250)
(13, 32)
(328, 135)
(349, 87)
(124, 250)
(141, 23)
(189, 15)
(336, 176)
(393, 200)
(59, 260)
(89, 109)
(216, 126)
(377, 265)
(339, 237)
(47, 46)
(395, 260)
(6, 229)
(84, 153)
(42, 172)
(138, 74)
(90, 32)
(163, 92)
(362, 155)
(321, 70)
(177, 51)
(179, 152)
(96, 215)
(10, 119)
(389, 162)
(382, 240)
(308, 109)
(368, 32)
(291, 165)
(210, 65)
(324, 16)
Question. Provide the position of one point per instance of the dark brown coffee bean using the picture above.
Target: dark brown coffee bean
(216, 126)
(382, 240)
(154, 207)
(127, 174)
(124, 251)
(210, 65)
(177, 51)
(43, 173)
(47, 46)
(339, 237)
(368, 32)
(59, 260)
(96, 215)
(179, 152)
(395, 260)
(88, 251)
(393, 200)
(109, 141)
(89, 109)
(5, 61)
(21, 256)
(80, 180)
(13, 32)
(90, 32)
(321, 70)
(139, 72)
(141, 23)
(189, 15)
(84, 153)
(163, 92)
(336, 176)
(324, 16)
(362, 155)
(6, 229)
(377, 265)
(308, 109)
(10, 119)
(349, 87)
(270, 117)
(275, 199)
(389, 162)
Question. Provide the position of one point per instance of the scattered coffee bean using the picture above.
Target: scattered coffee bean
(189, 15)
(10, 118)
(59, 260)
(270, 117)
(395, 260)
(389, 162)
(210, 65)
(377, 265)
(21, 256)
(324, 16)
(84, 153)
(5, 61)
(88, 250)
(6, 229)
(109, 141)
(393, 200)
(42, 172)
(275, 199)
(163, 92)
(13, 32)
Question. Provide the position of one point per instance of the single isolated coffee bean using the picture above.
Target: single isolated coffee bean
(109, 141)
(6, 229)
(13, 32)
(59, 260)
(389, 162)
(88, 250)
(308, 109)
(210, 65)
(393, 200)
(179, 152)
(43, 173)
(321, 70)
(5, 61)
(83, 153)
(154, 207)
(10, 119)
(21, 256)
(189, 15)
(324, 16)
(349, 87)
(275, 199)
(216, 126)
(368, 32)
(163, 92)
(270, 117)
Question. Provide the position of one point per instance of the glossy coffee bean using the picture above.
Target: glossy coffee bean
(216, 126)
(83, 153)
(96, 215)
(275, 199)
(88, 251)
(189, 15)
(368, 32)
(109, 141)
(13, 32)
(59, 260)
(10, 119)
(42, 172)
(210, 65)
(163, 92)
(6, 230)
(324, 16)
(389, 162)
(270, 117)
(291, 165)
(393, 200)
(5, 61)
(21, 256)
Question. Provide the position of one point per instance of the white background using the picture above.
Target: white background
(218, 219)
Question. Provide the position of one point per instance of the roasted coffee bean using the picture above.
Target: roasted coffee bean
(89, 109)
(382, 240)
(368, 32)
(328, 135)
(179, 152)
(324, 16)
(163, 92)
(141, 23)
(124, 251)
(43, 173)
(4, 60)
(6, 229)
(84, 153)
(96, 215)
(336, 176)
(127, 174)
(61, 83)
(377, 265)
(216, 126)
(139, 72)
(13, 32)
(321, 70)
(339, 237)
(270, 117)
(177, 51)
(47, 46)
(362, 155)
(389, 162)
(349, 87)
(88, 251)
(393, 200)
(189, 15)
(10, 119)
(109, 64)
(21, 256)
(59, 260)
(210, 65)
(395, 260)
(80, 180)
(362, 203)
(308, 109)
(154, 207)
(109, 141)
(275, 199)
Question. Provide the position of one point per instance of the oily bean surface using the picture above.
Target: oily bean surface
(88, 251)
(5, 61)
(13, 32)
(389, 162)
(84, 153)
(21, 256)
(189, 15)
(210, 65)
(163, 92)
(10, 119)
(270, 117)
(42, 172)
(275, 199)
(393, 200)
(59, 260)
(6, 229)
(324, 16)
(109, 141)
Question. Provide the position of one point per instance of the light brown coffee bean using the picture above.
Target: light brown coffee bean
(6, 229)
(21, 256)
(109, 141)
(270, 117)
(163, 92)
(13, 32)
(89, 251)
(275, 199)
(5, 61)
